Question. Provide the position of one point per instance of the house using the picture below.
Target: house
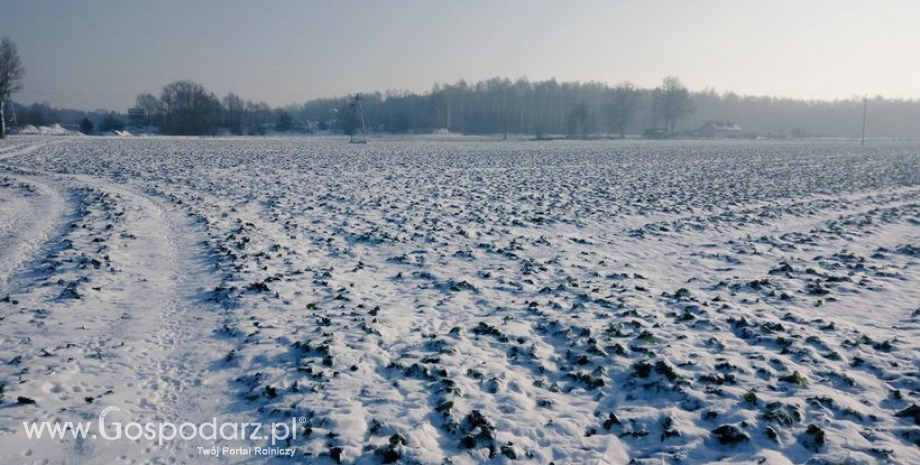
(137, 116)
(655, 134)
(720, 130)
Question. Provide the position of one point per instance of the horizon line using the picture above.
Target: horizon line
(430, 90)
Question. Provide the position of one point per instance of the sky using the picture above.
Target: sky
(93, 54)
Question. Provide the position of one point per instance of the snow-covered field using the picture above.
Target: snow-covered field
(467, 301)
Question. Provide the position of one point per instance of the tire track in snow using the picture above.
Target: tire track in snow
(170, 322)
(39, 215)
(150, 322)
(23, 149)
(31, 225)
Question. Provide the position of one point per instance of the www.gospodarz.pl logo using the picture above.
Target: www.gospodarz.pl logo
(163, 432)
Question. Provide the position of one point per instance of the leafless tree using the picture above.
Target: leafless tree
(234, 111)
(578, 122)
(258, 116)
(11, 74)
(672, 102)
(150, 104)
(624, 105)
(192, 109)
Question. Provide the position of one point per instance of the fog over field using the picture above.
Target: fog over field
(459, 233)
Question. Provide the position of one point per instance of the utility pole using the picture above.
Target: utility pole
(862, 141)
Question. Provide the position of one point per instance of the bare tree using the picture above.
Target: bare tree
(258, 116)
(150, 104)
(192, 109)
(11, 74)
(624, 106)
(672, 102)
(578, 122)
(234, 110)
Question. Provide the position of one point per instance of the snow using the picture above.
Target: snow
(53, 130)
(465, 300)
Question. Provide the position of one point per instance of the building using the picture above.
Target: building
(720, 130)
(137, 116)
(655, 134)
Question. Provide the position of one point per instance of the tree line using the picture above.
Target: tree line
(500, 105)
(187, 108)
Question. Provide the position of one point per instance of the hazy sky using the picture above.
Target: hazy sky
(91, 53)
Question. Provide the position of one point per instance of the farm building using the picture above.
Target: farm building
(137, 116)
(720, 130)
